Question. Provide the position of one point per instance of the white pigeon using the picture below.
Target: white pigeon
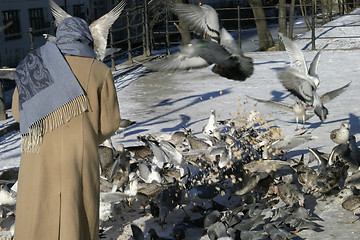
(99, 28)
(298, 61)
(341, 135)
(6, 197)
(149, 174)
(211, 129)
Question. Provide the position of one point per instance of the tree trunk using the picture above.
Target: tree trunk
(282, 22)
(2, 102)
(291, 19)
(265, 39)
(304, 14)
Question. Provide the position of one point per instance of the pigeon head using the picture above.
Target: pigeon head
(345, 125)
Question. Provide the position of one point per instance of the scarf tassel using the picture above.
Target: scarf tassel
(30, 141)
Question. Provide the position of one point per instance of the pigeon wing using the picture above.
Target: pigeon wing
(58, 13)
(198, 18)
(137, 232)
(298, 84)
(144, 172)
(314, 64)
(114, 169)
(275, 104)
(291, 142)
(100, 29)
(327, 97)
(296, 56)
(176, 62)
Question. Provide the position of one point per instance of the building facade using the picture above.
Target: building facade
(15, 41)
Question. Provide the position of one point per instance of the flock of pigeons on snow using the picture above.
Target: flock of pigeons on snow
(238, 179)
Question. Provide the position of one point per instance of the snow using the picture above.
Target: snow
(161, 102)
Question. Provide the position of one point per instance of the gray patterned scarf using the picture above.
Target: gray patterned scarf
(49, 93)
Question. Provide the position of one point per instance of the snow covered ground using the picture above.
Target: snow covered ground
(161, 102)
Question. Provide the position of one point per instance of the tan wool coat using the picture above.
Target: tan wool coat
(58, 188)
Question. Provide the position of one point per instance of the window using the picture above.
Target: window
(13, 31)
(79, 11)
(37, 20)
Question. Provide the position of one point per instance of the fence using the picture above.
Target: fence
(143, 30)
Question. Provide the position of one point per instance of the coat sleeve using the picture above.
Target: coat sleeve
(109, 109)
(15, 105)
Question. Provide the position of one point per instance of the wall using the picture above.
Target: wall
(12, 51)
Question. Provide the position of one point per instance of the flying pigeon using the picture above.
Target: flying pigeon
(298, 60)
(99, 28)
(199, 54)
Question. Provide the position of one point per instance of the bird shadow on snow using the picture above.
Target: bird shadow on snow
(122, 81)
(354, 123)
(278, 96)
(197, 98)
(9, 140)
(272, 62)
(185, 119)
(352, 119)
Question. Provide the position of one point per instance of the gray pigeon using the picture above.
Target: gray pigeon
(198, 54)
(299, 223)
(298, 60)
(276, 233)
(303, 87)
(217, 230)
(204, 20)
(155, 236)
(290, 194)
(306, 175)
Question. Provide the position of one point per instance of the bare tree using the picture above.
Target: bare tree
(291, 19)
(265, 39)
(303, 9)
(282, 22)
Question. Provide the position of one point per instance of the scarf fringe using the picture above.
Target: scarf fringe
(31, 141)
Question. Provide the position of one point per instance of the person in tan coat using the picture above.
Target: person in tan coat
(58, 185)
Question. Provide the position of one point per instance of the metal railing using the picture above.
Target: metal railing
(134, 36)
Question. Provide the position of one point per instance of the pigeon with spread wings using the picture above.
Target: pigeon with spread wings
(304, 88)
(199, 54)
(205, 20)
(298, 61)
(99, 28)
